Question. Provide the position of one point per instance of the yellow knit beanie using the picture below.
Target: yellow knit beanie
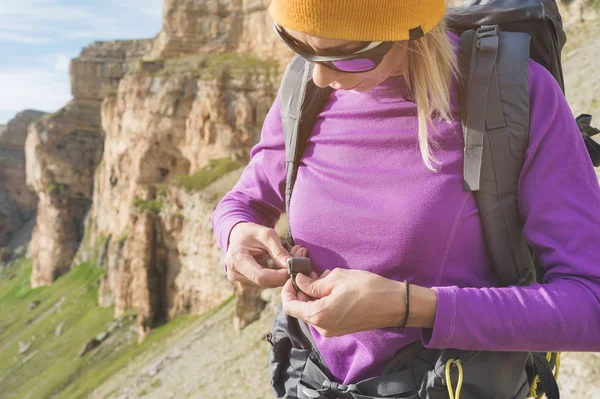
(365, 20)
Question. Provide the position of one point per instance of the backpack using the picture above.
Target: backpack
(497, 39)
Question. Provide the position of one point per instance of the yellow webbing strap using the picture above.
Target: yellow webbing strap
(449, 363)
(536, 379)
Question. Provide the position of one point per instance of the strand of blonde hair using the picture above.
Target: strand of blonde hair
(431, 66)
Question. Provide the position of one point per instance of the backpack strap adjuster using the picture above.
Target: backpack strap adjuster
(488, 30)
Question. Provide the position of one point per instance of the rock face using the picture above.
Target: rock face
(217, 26)
(14, 133)
(63, 150)
(107, 167)
(197, 96)
(169, 258)
(17, 202)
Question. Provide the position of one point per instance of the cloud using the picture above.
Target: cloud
(151, 8)
(42, 21)
(21, 38)
(33, 88)
(41, 36)
(61, 63)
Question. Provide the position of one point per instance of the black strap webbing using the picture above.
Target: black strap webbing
(301, 102)
(487, 46)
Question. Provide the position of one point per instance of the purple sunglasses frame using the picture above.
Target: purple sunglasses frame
(374, 52)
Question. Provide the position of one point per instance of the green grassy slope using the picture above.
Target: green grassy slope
(51, 367)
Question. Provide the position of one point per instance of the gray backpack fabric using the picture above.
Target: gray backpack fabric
(497, 38)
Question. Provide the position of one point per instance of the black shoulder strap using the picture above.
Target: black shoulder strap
(496, 124)
(587, 131)
(300, 101)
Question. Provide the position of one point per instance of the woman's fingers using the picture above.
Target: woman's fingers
(290, 302)
(247, 266)
(325, 273)
(294, 250)
(303, 297)
(299, 252)
(303, 252)
(275, 249)
(232, 275)
(315, 288)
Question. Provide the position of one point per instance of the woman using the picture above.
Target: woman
(379, 200)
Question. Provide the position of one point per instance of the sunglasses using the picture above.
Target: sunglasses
(363, 60)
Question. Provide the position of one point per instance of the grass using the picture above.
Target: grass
(594, 4)
(150, 205)
(162, 190)
(212, 66)
(203, 177)
(113, 92)
(155, 384)
(55, 370)
(56, 188)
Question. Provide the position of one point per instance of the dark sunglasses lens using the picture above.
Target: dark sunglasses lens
(355, 65)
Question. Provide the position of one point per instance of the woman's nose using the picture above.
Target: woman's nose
(323, 76)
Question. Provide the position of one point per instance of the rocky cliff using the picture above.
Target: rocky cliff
(63, 150)
(168, 120)
(242, 26)
(17, 202)
(14, 133)
(125, 171)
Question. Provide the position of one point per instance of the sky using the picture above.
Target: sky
(38, 38)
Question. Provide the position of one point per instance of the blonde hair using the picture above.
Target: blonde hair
(431, 66)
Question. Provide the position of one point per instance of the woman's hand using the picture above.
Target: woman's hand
(348, 301)
(251, 247)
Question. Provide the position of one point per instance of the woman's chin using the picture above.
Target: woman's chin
(361, 88)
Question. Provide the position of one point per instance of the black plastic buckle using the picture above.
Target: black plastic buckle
(487, 31)
(338, 388)
(298, 265)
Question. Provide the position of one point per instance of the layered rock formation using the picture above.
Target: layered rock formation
(14, 133)
(63, 151)
(170, 118)
(242, 26)
(196, 97)
(17, 202)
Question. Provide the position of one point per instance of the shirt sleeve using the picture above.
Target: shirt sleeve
(559, 200)
(258, 196)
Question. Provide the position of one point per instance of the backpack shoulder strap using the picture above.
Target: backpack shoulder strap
(495, 112)
(300, 102)
(291, 95)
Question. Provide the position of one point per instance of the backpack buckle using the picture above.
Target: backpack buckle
(487, 31)
(338, 388)
(298, 265)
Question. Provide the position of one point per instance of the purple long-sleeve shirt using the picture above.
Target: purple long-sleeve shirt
(364, 200)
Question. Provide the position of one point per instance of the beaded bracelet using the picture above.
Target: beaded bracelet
(406, 311)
